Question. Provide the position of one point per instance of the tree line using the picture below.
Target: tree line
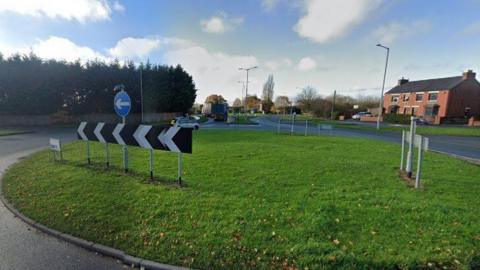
(31, 85)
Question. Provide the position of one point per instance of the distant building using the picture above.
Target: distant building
(436, 100)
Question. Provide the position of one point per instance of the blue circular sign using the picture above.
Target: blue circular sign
(122, 103)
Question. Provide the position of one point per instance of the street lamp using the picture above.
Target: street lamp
(380, 106)
(246, 87)
(243, 88)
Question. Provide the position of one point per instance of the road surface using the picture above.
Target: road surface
(23, 247)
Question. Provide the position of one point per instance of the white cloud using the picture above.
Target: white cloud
(214, 72)
(328, 20)
(394, 31)
(64, 49)
(306, 63)
(134, 47)
(80, 10)
(57, 48)
(220, 24)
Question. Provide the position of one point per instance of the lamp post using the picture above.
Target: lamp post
(246, 83)
(243, 88)
(380, 106)
(141, 90)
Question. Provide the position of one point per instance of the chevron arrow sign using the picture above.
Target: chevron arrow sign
(167, 138)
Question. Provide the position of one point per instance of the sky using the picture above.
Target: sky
(328, 45)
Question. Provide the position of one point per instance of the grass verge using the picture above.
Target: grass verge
(243, 120)
(254, 199)
(423, 130)
(8, 132)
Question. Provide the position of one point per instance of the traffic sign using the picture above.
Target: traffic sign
(122, 103)
(167, 138)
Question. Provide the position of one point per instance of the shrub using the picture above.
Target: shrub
(397, 118)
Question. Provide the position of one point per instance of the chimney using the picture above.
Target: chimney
(402, 81)
(469, 74)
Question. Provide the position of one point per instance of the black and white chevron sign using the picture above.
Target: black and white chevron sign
(168, 138)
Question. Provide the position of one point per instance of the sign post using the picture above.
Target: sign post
(410, 147)
(122, 105)
(168, 138)
(56, 147)
(293, 122)
(306, 127)
(403, 150)
(419, 164)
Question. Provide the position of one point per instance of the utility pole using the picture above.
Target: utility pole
(380, 106)
(333, 104)
(243, 89)
(141, 90)
(246, 87)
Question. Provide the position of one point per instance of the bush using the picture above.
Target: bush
(397, 118)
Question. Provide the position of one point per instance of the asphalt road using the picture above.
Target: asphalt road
(23, 247)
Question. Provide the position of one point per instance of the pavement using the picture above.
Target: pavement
(23, 247)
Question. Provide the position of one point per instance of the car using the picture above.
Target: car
(188, 122)
(421, 121)
(359, 115)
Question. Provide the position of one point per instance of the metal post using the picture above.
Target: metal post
(293, 122)
(306, 127)
(88, 152)
(125, 153)
(141, 91)
(419, 163)
(333, 104)
(180, 164)
(61, 151)
(410, 147)
(318, 129)
(403, 150)
(380, 106)
(108, 155)
(278, 126)
(151, 164)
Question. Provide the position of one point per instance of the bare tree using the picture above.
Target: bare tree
(282, 102)
(237, 103)
(268, 89)
(306, 98)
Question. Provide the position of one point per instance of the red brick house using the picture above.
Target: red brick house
(436, 100)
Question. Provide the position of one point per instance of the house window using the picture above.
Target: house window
(394, 99)
(418, 97)
(432, 110)
(406, 97)
(432, 96)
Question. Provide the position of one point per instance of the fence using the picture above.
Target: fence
(58, 119)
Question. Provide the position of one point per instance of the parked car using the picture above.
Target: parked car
(357, 116)
(188, 122)
(421, 121)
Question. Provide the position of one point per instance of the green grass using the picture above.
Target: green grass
(255, 199)
(243, 120)
(428, 130)
(8, 132)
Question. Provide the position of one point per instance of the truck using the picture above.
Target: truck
(220, 112)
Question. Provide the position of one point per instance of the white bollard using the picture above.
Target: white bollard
(410, 147)
(419, 163)
(403, 150)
